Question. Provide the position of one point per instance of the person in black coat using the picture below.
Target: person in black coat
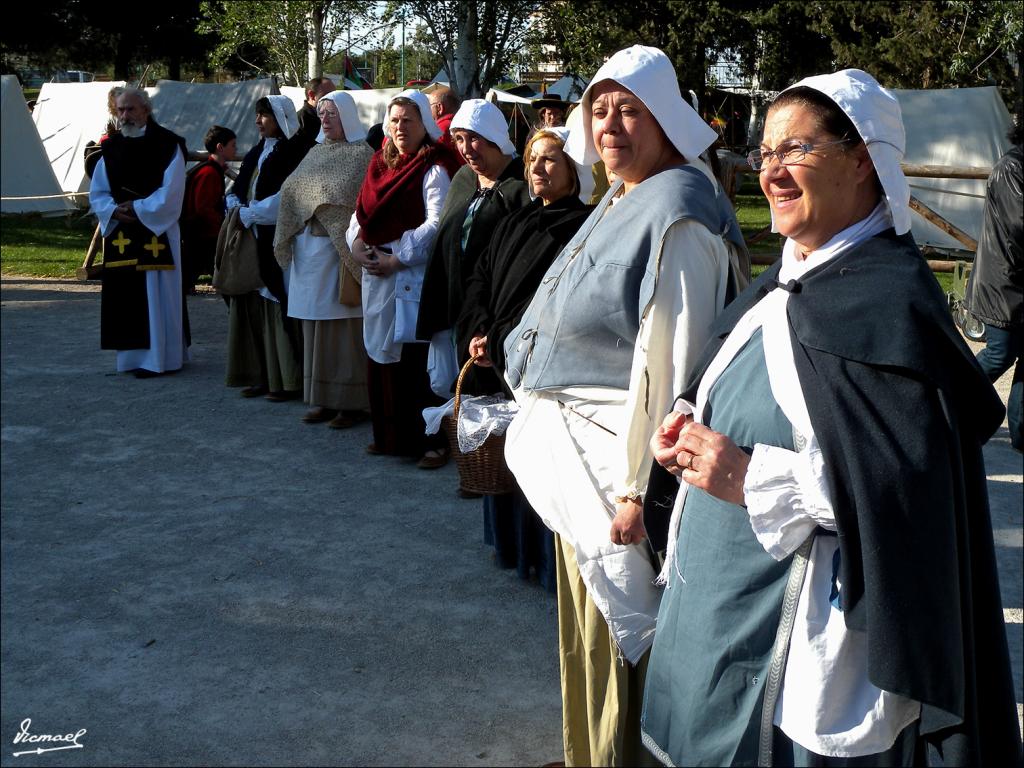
(505, 277)
(264, 344)
(995, 292)
(483, 192)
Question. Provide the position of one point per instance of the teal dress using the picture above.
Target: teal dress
(717, 624)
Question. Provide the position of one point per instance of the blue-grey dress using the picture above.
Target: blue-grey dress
(717, 625)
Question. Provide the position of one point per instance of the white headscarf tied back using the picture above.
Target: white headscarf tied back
(649, 74)
(349, 114)
(423, 105)
(486, 119)
(875, 113)
(284, 113)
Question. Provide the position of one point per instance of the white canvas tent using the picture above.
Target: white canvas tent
(25, 168)
(568, 88)
(371, 103)
(190, 109)
(960, 127)
(504, 97)
(67, 116)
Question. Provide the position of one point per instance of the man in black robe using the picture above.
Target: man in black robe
(136, 194)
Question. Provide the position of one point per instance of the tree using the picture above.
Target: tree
(89, 36)
(475, 40)
(582, 34)
(297, 36)
(939, 44)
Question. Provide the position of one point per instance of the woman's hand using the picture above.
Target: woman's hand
(478, 349)
(712, 462)
(628, 523)
(663, 443)
(385, 264)
(363, 253)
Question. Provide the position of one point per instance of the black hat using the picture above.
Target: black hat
(554, 101)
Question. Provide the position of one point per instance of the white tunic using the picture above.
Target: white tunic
(313, 287)
(158, 213)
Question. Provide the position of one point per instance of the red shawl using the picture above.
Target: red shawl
(391, 199)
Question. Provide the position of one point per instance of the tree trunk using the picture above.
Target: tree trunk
(122, 58)
(465, 74)
(315, 41)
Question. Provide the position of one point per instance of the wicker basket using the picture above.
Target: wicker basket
(483, 470)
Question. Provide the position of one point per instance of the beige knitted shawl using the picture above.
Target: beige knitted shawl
(322, 192)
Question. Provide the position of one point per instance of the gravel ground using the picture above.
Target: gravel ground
(199, 579)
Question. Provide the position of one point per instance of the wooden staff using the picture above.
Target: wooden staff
(950, 229)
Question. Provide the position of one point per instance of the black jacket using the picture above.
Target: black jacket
(996, 287)
(505, 278)
(450, 265)
(901, 411)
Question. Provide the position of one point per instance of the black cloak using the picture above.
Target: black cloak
(505, 278)
(901, 411)
(451, 265)
(282, 160)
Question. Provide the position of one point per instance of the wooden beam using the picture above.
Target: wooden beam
(945, 171)
(923, 171)
(89, 271)
(950, 229)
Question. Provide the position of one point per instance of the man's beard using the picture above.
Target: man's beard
(132, 131)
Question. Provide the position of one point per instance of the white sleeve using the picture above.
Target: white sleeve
(352, 232)
(263, 211)
(787, 496)
(162, 209)
(414, 246)
(101, 200)
(674, 327)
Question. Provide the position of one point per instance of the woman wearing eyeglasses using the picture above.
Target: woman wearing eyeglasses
(317, 202)
(831, 588)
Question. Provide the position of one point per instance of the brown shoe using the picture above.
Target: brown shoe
(257, 390)
(317, 414)
(282, 396)
(348, 419)
(433, 459)
(373, 450)
(464, 494)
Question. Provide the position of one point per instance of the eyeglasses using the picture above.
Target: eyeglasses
(787, 153)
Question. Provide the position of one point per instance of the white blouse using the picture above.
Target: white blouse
(391, 304)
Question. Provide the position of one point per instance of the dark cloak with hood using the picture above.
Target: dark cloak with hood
(901, 411)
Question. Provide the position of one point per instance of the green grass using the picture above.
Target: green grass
(44, 247)
(753, 215)
(55, 247)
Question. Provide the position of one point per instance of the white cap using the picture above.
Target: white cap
(486, 119)
(423, 105)
(649, 74)
(284, 113)
(349, 113)
(875, 113)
